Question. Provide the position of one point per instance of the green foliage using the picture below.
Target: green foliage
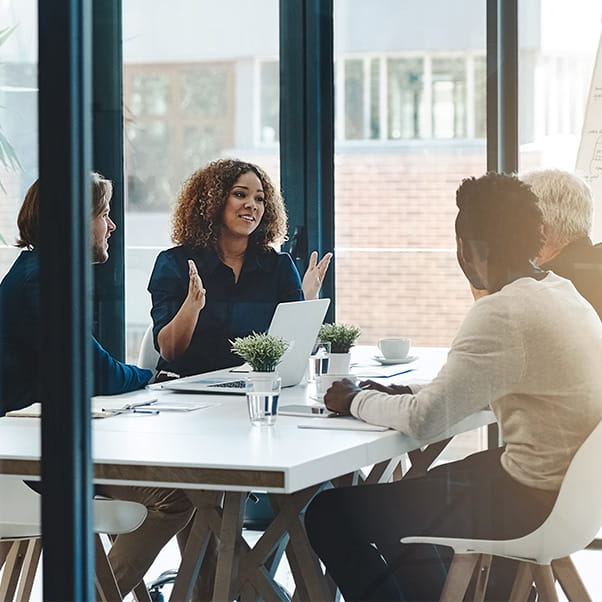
(8, 156)
(340, 336)
(262, 351)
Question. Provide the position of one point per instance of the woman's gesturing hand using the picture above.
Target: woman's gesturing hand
(196, 292)
(314, 275)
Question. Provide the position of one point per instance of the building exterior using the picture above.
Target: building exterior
(202, 82)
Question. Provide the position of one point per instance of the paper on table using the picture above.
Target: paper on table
(105, 406)
(341, 423)
(35, 411)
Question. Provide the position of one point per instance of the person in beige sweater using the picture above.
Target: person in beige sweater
(530, 349)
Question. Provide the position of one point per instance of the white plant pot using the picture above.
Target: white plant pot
(338, 363)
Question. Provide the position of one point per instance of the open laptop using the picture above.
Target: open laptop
(297, 322)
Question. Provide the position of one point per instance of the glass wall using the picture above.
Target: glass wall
(410, 124)
(18, 116)
(198, 85)
(555, 68)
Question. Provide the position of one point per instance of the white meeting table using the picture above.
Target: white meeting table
(217, 449)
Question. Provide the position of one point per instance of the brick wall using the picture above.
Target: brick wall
(403, 202)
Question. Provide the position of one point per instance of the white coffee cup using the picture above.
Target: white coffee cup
(324, 381)
(395, 348)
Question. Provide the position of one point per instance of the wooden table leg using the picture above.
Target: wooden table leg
(207, 504)
(229, 536)
(423, 458)
(310, 581)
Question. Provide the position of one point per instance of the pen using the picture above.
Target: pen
(137, 411)
(388, 375)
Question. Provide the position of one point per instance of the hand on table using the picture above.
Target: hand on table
(339, 395)
(196, 292)
(314, 275)
(390, 389)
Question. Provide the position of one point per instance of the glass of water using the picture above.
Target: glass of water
(318, 361)
(263, 391)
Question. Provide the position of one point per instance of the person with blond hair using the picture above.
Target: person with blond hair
(566, 203)
(224, 278)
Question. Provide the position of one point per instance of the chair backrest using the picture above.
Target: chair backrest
(577, 514)
(20, 512)
(148, 355)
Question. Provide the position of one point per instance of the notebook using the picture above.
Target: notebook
(297, 322)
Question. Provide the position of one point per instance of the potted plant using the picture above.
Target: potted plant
(341, 338)
(262, 352)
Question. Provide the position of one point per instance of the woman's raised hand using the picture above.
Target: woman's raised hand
(314, 275)
(196, 292)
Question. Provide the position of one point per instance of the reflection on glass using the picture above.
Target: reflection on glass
(270, 102)
(404, 83)
(194, 91)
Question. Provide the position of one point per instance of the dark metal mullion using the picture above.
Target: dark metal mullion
(508, 85)
(492, 85)
(307, 129)
(320, 135)
(292, 125)
(65, 129)
(107, 106)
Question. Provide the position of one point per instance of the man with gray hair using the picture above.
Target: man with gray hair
(567, 207)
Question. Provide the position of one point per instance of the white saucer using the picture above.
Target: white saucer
(385, 361)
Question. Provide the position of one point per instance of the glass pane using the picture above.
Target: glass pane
(480, 94)
(18, 117)
(558, 45)
(395, 194)
(192, 94)
(405, 86)
(449, 98)
(270, 105)
(354, 100)
(205, 90)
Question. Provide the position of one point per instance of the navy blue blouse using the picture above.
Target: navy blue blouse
(20, 343)
(232, 309)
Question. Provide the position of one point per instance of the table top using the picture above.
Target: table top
(217, 447)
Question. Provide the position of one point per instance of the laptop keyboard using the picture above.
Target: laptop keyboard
(233, 384)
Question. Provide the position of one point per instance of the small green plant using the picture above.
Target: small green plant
(340, 336)
(262, 351)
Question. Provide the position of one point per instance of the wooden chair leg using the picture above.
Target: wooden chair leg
(141, 593)
(106, 586)
(12, 569)
(482, 577)
(570, 581)
(458, 578)
(5, 547)
(30, 567)
(522, 583)
(544, 582)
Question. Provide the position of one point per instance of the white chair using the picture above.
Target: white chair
(543, 554)
(148, 356)
(20, 538)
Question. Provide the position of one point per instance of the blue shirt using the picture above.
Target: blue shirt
(20, 343)
(232, 309)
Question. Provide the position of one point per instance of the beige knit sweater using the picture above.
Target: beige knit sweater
(533, 352)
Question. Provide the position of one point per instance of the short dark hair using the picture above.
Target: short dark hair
(28, 220)
(502, 213)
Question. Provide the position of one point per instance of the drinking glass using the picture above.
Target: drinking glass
(318, 361)
(263, 391)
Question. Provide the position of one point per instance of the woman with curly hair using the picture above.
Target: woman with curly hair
(224, 279)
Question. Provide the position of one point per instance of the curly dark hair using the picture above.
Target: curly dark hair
(503, 213)
(198, 215)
